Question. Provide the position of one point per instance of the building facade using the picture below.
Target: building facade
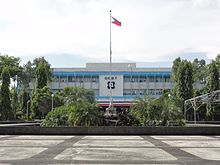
(124, 83)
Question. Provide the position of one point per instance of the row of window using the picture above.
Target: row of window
(136, 92)
(143, 92)
(146, 79)
(140, 79)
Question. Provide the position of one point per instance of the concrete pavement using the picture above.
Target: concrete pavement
(150, 150)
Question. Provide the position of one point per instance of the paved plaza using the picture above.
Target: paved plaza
(150, 150)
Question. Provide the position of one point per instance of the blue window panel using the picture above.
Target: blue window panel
(113, 73)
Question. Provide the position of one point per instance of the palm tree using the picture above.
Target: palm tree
(142, 110)
(86, 114)
(77, 95)
(170, 112)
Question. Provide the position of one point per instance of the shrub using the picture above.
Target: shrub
(84, 114)
(58, 117)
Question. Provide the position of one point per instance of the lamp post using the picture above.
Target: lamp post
(27, 108)
(52, 95)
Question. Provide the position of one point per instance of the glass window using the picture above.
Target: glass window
(134, 91)
(127, 78)
(79, 79)
(127, 92)
(71, 78)
(159, 79)
(143, 79)
(158, 91)
(151, 78)
(134, 78)
(167, 79)
(87, 79)
(143, 92)
(95, 79)
(63, 79)
(151, 91)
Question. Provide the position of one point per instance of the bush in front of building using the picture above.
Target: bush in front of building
(125, 118)
(163, 111)
(79, 109)
(58, 117)
(86, 114)
(171, 114)
(142, 110)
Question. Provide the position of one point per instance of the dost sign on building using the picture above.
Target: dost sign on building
(106, 83)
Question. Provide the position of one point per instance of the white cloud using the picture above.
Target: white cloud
(151, 29)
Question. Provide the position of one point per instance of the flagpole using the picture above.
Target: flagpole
(110, 63)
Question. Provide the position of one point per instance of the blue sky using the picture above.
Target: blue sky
(71, 33)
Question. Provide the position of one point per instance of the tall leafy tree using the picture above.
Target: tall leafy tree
(27, 75)
(86, 114)
(6, 110)
(213, 77)
(41, 100)
(142, 110)
(175, 67)
(41, 75)
(80, 109)
(46, 65)
(199, 70)
(217, 60)
(41, 103)
(12, 63)
(25, 99)
(213, 83)
(183, 79)
(77, 95)
(170, 112)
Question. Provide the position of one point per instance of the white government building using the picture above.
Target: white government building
(127, 81)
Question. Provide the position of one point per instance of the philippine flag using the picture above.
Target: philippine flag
(116, 22)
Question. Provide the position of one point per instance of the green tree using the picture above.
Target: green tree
(41, 100)
(14, 100)
(46, 65)
(217, 60)
(41, 103)
(58, 117)
(41, 75)
(175, 77)
(80, 107)
(28, 74)
(213, 84)
(212, 77)
(86, 114)
(183, 80)
(125, 118)
(6, 110)
(77, 95)
(175, 67)
(12, 63)
(199, 70)
(87, 111)
(167, 109)
(142, 110)
(171, 112)
(23, 101)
